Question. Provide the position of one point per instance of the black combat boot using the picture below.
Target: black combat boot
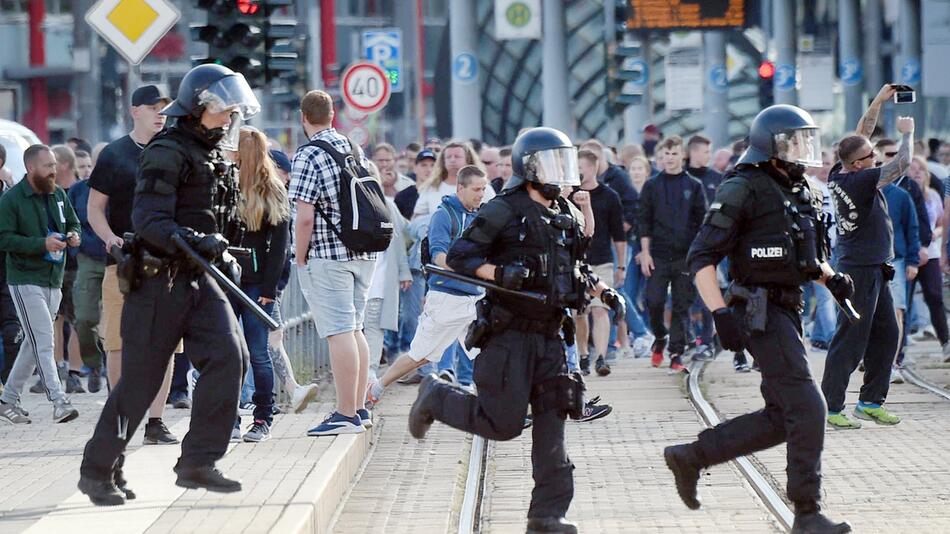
(206, 477)
(810, 520)
(551, 524)
(420, 416)
(118, 478)
(686, 469)
(100, 492)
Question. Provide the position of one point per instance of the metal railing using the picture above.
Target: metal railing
(308, 352)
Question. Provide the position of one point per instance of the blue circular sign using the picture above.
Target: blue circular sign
(910, 72)
(639, 66)
(785, 77)
(465, 67)
(718, 78)
(850, 71)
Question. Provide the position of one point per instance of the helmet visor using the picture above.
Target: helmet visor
(802, 146)
(556, 166)
(230, 93)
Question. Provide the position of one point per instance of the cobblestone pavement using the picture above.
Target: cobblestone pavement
(880, 479)
(621, 482)
(407, 486)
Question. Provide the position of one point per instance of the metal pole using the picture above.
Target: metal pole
(310, 13)
(908, 68)
(716, 93)
(638, 115)
(783, 14)
(466, 91)
(873, 22)
(850, 68)
(556, 103)
(86, 55)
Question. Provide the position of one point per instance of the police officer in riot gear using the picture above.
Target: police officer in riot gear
(187, 187)
(529, 238)
(766, 219)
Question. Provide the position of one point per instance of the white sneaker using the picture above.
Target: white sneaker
(192, 376)
(896, 376)
(643, 345)
(925, 334)
(303, 395)
(246, 408)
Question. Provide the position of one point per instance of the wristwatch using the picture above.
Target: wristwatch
(622, 268)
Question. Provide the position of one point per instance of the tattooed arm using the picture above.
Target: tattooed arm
(896, 167)
(869, 119)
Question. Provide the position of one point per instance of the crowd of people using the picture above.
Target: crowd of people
(386, 299)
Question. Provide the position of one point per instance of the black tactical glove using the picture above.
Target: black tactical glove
(729, 329)
(841, 286)
(512, 276)
(615, 301)
(210, 246)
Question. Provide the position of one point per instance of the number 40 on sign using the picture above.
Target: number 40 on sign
(365, 87)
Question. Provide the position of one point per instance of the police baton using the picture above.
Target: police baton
(848, 309)
(531, 295)
(224, 281)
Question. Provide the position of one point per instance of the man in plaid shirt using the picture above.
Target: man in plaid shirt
(334, 279)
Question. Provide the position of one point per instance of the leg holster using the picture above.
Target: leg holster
(564, 393)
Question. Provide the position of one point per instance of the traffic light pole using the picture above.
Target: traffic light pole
(639, 114)
(716, 108)
(783, 18)
(850, 69)
(908, 67)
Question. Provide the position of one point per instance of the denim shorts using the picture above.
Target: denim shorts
(336, 293)
(899, 284)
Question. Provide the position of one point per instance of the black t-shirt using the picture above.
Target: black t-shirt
(608, 225)
(114, 176)
(865, 231)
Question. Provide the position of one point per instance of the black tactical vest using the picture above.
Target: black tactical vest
(208, 192)
(779, 238)
(549, 243)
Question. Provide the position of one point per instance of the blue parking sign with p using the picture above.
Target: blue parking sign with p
(384, 48)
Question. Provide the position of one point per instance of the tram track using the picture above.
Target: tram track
(911, 376)
(759, 482)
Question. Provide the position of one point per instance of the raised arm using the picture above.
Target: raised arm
(898, 166)
(869, 119)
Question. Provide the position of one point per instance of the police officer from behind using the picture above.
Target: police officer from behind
(766, 219)
(185, 187)
(527, 239)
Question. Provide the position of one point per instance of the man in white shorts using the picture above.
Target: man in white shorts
(450, 304)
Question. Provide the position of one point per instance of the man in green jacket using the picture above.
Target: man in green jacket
(37, 223)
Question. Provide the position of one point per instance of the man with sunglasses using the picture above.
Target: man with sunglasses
(865, 251)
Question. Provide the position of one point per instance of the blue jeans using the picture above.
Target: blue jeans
(454, 358)
(632, 287)
(826, 317)
(262, 370)
(571, 352)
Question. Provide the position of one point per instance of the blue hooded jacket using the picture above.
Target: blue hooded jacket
(450, 216)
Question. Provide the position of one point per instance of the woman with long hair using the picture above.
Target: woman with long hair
(444, 178)
(929, 274)
(265, 212)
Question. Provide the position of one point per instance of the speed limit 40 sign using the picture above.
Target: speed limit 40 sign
(365, 87)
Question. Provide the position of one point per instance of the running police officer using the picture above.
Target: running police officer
(529, 238)
(766, 219)
(185, 187)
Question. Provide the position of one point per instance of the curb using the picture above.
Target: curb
(311, 509)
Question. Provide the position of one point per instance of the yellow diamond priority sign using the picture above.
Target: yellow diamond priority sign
(133, 27)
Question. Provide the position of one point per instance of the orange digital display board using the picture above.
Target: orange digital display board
(685, 14)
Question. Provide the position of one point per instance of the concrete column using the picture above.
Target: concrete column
(872, 26)
(556, 104)
(716, 89)
(466, 89)
(786, 44)
(850, 66)
(908, 67)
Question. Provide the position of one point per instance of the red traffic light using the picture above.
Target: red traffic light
(248, 7)
(766, 70)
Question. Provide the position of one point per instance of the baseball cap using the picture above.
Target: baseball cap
(651, 129)
(148, 95)
(280, 159)
(425, 154)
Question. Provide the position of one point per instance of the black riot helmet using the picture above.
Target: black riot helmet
(786, 133)
(544, 156)
(215, 87)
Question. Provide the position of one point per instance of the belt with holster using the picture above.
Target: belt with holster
(502, 319)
